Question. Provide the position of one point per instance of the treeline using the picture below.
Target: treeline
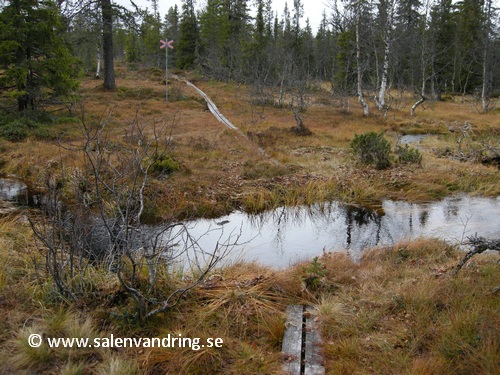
(362, 47)
(432, 48)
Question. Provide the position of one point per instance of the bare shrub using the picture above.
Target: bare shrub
(103, 226)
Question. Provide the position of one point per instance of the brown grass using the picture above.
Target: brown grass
(399, 310)
(221, 170)
(402, 311)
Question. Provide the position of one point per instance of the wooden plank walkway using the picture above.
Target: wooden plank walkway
(221, 118)
(301, 343)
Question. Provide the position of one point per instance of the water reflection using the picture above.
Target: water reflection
(285, 235)
(12, 190)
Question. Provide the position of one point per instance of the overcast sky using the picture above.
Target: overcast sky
(313, 9)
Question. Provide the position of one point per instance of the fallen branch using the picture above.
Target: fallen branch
(479, 245)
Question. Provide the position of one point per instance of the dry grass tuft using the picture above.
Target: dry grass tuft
(403, 311)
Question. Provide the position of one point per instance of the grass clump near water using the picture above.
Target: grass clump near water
(401, 310)
(398, 310)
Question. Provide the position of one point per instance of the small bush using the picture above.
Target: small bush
(372, 148)
(408, 155)
(314, 275)
(163, 165)
(175, 94)
(14, 131)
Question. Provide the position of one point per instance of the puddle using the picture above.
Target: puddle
(284, 236)
(281, 237)
(15, 193)
(12, 190)
(412, 138)
(12, 194)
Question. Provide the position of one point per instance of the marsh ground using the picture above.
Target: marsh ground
(399, 310)
(222, 170)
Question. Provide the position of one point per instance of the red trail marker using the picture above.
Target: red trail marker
(166, 44)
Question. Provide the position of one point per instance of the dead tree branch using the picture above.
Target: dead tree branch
(478, 245)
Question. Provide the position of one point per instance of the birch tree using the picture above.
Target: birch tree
(358, 9)
(387, 10)
(487, 30)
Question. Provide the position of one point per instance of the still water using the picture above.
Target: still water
(281, 237)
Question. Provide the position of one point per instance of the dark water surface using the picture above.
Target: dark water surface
(283, 236)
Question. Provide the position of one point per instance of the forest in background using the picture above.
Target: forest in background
(431, 48)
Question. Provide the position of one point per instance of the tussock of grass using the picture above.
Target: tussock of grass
(244, 304)
(402, 311)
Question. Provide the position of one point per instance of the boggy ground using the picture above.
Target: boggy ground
(400, 310)
(221, 170)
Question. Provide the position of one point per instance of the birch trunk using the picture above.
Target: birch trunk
(387, 50)
(485, 90)
(383, 83)
(424, 79)
(366, 110)
(98, 69)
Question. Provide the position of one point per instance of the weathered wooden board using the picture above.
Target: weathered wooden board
(302, 343)
(313, 357)
(292, 340)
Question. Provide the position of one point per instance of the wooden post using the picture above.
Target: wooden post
(166, 43)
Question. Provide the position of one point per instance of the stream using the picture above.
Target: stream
(286, 235)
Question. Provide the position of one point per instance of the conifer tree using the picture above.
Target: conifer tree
(171, 32)
(189, 36)
(36, 61)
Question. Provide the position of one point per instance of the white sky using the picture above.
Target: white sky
(313, 9)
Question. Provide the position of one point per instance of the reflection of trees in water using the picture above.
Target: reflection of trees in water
(359, 216)
(287, 232)
(319, 215)
(278, 220)
(451, 209)
(410, 219)
(423, 217)
(282, 216)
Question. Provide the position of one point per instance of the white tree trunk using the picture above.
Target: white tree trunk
(486, 56)
(417, 103)
(387, 50)
(366, 110)
(424, 79)
(98, 70)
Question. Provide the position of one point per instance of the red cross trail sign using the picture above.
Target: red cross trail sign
(166, 44)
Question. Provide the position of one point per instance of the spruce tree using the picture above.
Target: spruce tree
(36, 61)
(171, 32)
(189, 36)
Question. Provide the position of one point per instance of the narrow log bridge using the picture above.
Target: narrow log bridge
(301, 343)
(221, 118)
